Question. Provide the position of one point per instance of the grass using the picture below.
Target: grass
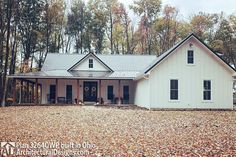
(117, 132)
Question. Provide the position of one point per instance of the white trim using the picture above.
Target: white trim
(174, 101)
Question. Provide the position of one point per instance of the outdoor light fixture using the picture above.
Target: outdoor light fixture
(190, 45)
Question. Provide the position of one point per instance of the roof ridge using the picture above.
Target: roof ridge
(139, 55)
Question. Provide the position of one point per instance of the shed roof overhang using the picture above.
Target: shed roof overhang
(63, 74)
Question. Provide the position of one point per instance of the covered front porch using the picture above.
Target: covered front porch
(72, 91)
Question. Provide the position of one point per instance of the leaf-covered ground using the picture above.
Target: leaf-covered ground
(118, 132)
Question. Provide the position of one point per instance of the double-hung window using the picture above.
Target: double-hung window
(206, 90)
(90, 63)
(190, 57)
(174, 90)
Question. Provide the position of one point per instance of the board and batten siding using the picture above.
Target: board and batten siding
(190, 78)
(142, 93)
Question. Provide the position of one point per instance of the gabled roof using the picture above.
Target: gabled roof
(87, 56)
(167, 53)
(61, 61)
(60, 66)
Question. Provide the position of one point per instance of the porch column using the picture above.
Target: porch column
(14, 91)
(41, 94)
(78, 88)
(32, 94)
(27, 91)
(100, 91)
(36, 91)
(56, 91)
(21, 91)
(119, 100)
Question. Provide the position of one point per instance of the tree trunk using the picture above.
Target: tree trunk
(111, 30)
(13, 54)
(1, 78)
(1, 48)
(5, 80)
(68, 44)
(127, 33)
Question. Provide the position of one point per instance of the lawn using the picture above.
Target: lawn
(101, 131)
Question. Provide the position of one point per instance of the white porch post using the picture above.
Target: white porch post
(119, 99)
(32, 94)
(78, 92)
(56, 91)
(36, 91)
(27, 91)
(21, 90)
(100, 92)
(14, 91)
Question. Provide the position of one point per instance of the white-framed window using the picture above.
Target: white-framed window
(190, 57)
(90, 63)
(174, 89)
(207, 90)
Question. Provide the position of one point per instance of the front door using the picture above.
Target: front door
(90, 91)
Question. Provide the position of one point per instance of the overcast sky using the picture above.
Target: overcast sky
(190, 7)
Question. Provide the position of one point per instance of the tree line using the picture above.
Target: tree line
(30, 29)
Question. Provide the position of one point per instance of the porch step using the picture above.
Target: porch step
(89, 103)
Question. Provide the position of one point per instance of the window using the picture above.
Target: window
(206, 90)
(69, 94)
(90, 63)
(126, 93)
(68, 91)
(52, 94)
(190, 57)
(174, 90)
(110, 92)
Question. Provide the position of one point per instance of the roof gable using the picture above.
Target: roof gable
(172, 50)
(82, 64)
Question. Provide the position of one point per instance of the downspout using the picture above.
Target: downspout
(149, 88)
(146, 77)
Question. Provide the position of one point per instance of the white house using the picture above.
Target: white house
(189, 75)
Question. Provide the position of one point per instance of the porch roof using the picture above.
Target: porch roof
(77, 74)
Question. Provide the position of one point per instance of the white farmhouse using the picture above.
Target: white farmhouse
(189, 75)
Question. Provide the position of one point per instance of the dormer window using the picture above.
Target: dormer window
(90, 63)
(190, 57)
